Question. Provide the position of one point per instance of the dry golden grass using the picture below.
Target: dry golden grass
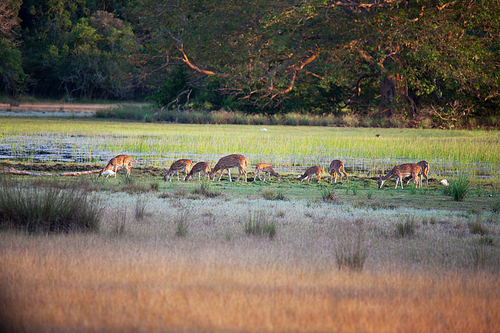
(141, 277)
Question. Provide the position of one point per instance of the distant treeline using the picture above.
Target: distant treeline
(419, 61)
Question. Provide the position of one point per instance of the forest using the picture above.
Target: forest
(422, 59)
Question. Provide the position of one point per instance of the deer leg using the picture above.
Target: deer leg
(229, 174)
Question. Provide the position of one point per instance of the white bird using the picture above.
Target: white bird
(263, 129)
(444, 182)
(109, 173)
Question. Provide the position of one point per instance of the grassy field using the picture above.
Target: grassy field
(280, 145)
(259, 257)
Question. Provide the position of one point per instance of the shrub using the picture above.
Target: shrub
(259, 225)
(406, 228)
(351, 250)
(48, 208)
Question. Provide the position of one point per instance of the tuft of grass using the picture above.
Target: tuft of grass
(155, 185)
(140, 207)
(351, 250)
(328, 195)
(413, 189)
(495, 207)
(353, 187)
(181, 223)
(258, 224)
(47, 208)
(477, 228)
(206, 190)
(406, 228)
(458, 189)
(369, 193)
(270, 194)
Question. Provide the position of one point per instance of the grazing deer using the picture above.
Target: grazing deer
(425, 172)
(268, 171)
(230, 161)
(400, 171)
(336, 167)
(198, 168)
(314, 170)
(182, 164)
(115, 163)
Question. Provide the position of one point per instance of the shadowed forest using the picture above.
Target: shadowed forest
(418, 63)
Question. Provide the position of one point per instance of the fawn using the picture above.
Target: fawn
(314, 170)
(198, 168)
(115, 163)
(230, 161)
(267, 169)
(336, 167)
(400, 171)
(425, 172)
(182, 164)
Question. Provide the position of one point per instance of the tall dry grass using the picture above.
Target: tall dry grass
(216, 278)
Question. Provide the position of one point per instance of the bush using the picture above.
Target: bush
(259, 225)
(328, 195)
(48, 208)
(181, 223)
(206, 190)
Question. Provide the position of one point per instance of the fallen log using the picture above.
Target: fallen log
(13, 171)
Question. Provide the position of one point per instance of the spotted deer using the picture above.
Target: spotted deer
(230, 161)
(182, 164)
(198, 168)
(267, 170)
(400, 171)
(425, 172)
(336, 167)
(314, 170)
(115, 163)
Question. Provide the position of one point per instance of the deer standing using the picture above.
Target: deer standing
(268, 171)
(425, 172)
(198, 168)
(115, 163)
(336, 167)
(314, 170)
(182, 164)
(400, 171)
(230, 161)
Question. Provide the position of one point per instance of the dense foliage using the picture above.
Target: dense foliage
(410, 59)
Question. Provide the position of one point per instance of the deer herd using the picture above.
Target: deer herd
(404, 172)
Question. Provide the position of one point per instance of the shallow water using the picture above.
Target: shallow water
(83, 150)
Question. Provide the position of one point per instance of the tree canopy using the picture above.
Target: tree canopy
(375, 56)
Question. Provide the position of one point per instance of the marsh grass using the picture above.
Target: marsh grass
(259, 224)
(353, 187)
(351, 248)
(47, 208)
(495, 207)
(477, 228)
